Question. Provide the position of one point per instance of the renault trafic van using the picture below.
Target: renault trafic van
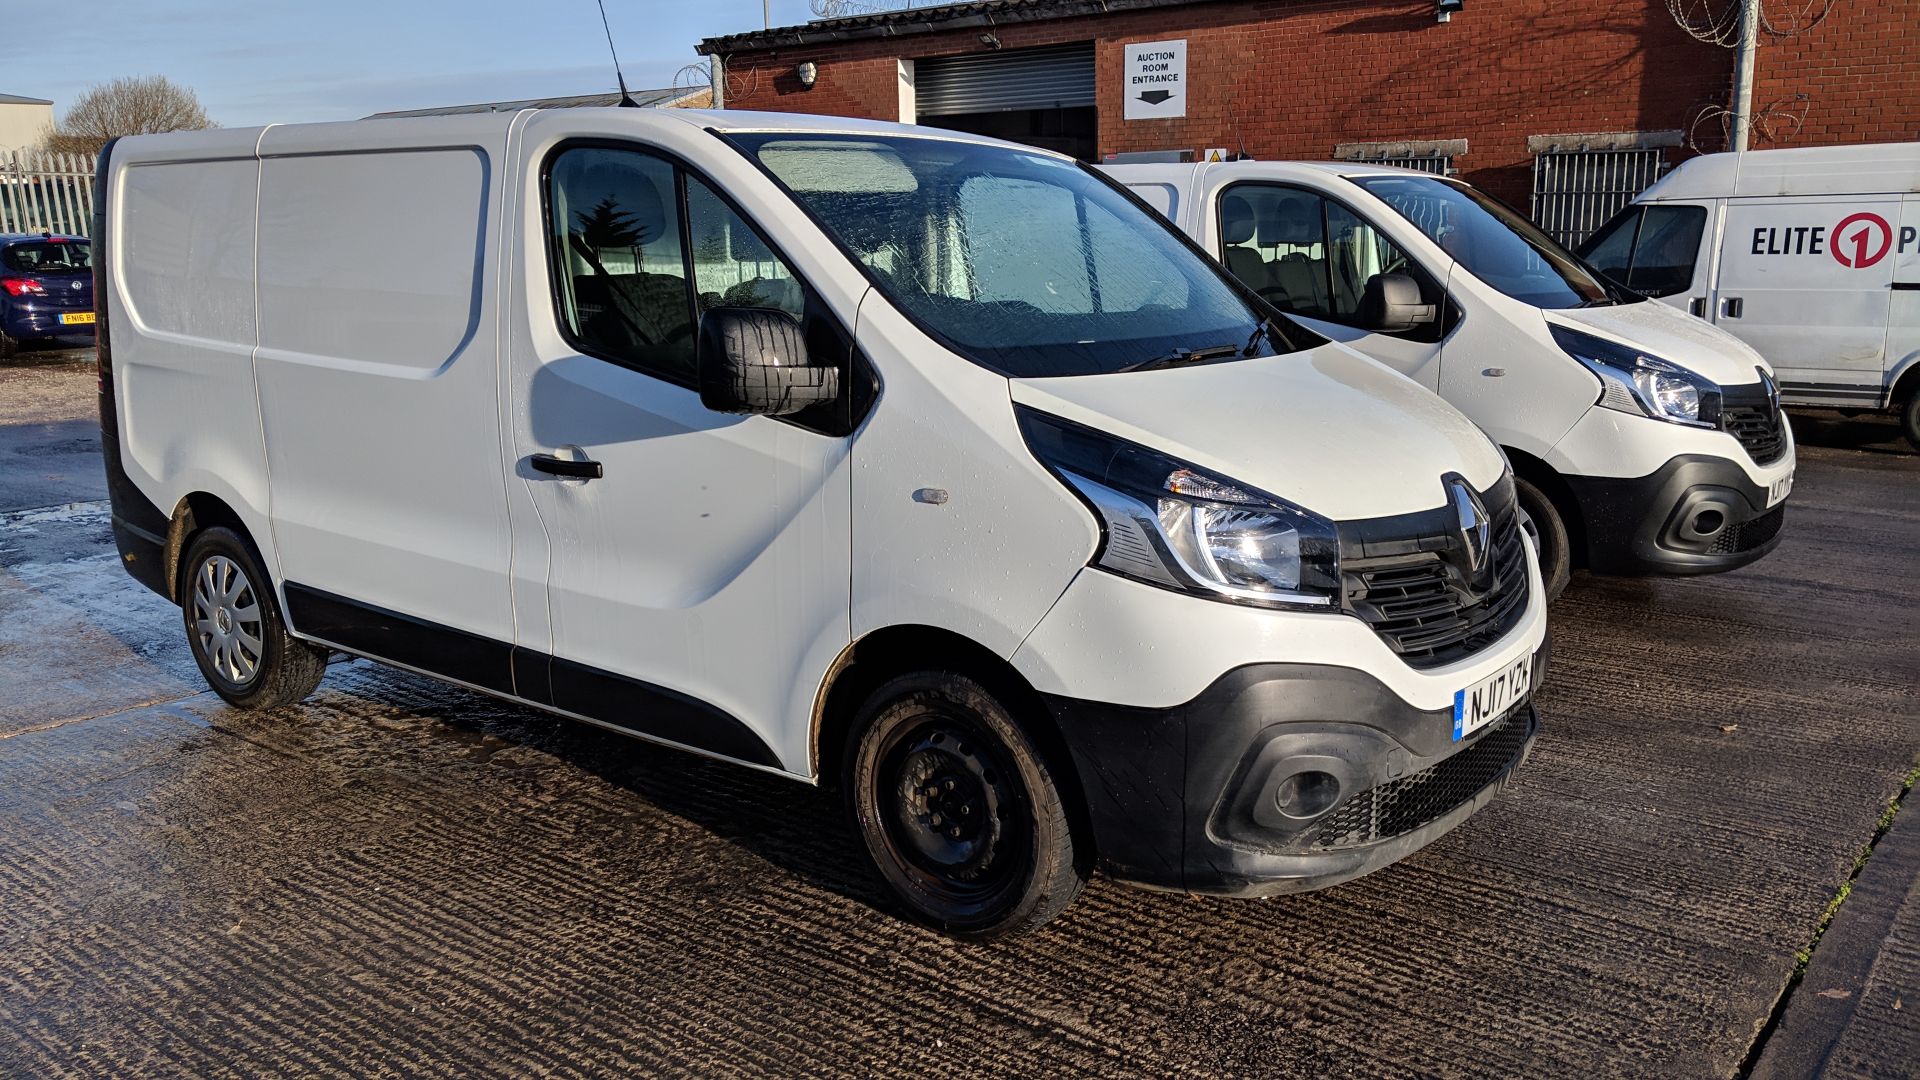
(1811, 256)
(1642, 442)
(918, 463)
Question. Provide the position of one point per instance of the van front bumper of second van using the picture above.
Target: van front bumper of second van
(1281, 778)
(1696, 514)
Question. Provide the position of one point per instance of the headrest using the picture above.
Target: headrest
(1293, 220)
(1236, 220)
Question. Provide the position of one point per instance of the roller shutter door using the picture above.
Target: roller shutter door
(1053, 77)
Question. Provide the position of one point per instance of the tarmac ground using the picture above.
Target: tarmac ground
(398, 877)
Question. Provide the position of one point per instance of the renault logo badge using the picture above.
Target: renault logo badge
(1476, 530)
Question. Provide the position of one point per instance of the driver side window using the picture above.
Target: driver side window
(1310, 256)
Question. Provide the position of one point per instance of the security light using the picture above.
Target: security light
(1446, 8)
(809, 73)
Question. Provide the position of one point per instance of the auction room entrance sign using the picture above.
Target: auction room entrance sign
(1156, 80)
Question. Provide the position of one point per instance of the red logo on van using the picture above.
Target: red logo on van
(1863, 246)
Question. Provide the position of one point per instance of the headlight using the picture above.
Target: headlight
(1634, 382)
(1181, 527)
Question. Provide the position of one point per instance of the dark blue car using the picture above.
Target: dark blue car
(46, 290)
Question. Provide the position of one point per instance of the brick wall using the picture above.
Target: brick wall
(1294, 79)
(1859, 71)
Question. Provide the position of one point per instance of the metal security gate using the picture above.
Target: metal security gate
(1438, 166)
(1577, 191)
(46, 193)
(1053, 77)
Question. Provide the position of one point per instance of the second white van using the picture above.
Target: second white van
(1642, 441)
(927, 466)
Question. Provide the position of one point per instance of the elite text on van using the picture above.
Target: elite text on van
(916, 463)
(1642, 442)
(1810, 255)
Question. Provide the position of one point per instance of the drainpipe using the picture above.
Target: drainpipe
(717, 68)
(1743, 74)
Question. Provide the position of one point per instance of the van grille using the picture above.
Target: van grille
(1398, 807)
(1749, 414)
(1408, 578)
(1749, 534)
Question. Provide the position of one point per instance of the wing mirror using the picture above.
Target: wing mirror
(1391, 303)
(754, 360)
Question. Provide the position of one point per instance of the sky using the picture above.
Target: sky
(275, 61)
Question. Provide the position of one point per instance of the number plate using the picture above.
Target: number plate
(75, 317)
(1492, 697)
(1779, 490)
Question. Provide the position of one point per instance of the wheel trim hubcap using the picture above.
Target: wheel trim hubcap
(226, 619)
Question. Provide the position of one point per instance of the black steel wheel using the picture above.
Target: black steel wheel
(959, 810)
(1910, 419)
(1549, 534)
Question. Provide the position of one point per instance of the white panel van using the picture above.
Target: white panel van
(924, 465)
(1810, 255)
(1642, 441)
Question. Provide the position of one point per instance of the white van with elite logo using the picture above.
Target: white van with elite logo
(921, 464)
(1812, 256)
(1642, 441)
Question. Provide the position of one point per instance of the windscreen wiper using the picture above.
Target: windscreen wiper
(1185, 356)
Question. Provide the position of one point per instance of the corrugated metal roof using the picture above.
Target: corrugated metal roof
(670, 96)
(918, 20)
(15, 99)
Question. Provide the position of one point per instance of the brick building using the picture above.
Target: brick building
(1567, 107)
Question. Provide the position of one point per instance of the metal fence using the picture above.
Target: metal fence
(1439, 165)
(1577, 191)
(42, 192)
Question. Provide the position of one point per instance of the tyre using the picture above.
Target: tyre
(235, 629)
(959, 810)
(1549, 534)
(8, 346)
(1910, 419)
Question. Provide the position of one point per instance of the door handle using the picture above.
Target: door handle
(567, 467)
(1732, 306)
(1698, 307)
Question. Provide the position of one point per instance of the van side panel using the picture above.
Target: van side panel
(378, 370)
(1805, 282)
(181, 307)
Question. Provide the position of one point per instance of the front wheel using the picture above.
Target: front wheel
(234, 626)
(1910, 420)
(1549, 534)
(958, 809)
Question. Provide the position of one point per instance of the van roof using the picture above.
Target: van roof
(378, 132)
(1810, 170)
(1258, 169)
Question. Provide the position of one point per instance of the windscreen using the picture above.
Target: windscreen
(1023, 262)
(46, 257)
(1491, 241)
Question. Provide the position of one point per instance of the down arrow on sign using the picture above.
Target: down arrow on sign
(1155, 97)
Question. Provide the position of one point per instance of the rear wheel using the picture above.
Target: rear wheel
(1549, 534)
(8, 346)
(1910, 420)
(959, 810)
(234, 626)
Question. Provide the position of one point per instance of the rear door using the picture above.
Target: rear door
(1807, 283)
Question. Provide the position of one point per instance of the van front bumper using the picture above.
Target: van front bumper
(1194, 797)
(1697, 514)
